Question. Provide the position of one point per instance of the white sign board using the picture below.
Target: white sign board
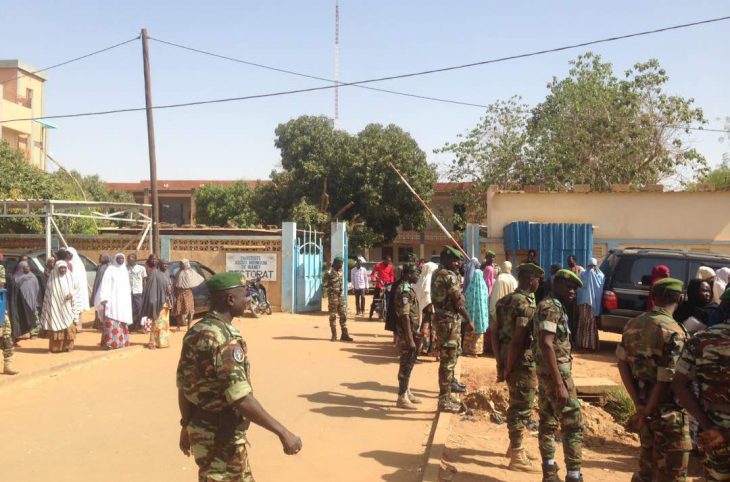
(252, 265)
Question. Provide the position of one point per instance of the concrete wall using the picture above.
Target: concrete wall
(15, 104)
(693, 217)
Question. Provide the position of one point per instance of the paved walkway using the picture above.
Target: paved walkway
(115, 418)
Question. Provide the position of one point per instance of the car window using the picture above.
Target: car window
(202, 270)
(635, 272)
(695, 265)
(89, 265)
(608, 267)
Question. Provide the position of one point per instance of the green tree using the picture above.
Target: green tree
(226, 205)
(720, 176)
(592, 128)
(354, 168)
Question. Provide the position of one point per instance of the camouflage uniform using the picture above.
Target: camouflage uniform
(706, 360)
(552, 318)
(213, 374)
(651, 344)
(517, 309)
(444, 285)
(6, 340)
(405, 303)
(336, 303)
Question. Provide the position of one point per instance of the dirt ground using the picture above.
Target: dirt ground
(475, 449)
(115, 417)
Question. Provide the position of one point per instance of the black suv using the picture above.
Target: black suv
(628, 276)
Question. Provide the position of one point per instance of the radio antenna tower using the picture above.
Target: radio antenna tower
(337, 61)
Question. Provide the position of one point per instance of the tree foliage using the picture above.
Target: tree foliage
(20, 180)
(230, 206)
(592, 128)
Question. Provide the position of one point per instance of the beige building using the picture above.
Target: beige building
(21, 97)
(694, 221)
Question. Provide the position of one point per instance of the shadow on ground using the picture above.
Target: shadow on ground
(408, 465)
(342, 405)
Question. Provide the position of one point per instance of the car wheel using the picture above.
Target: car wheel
(254, 307)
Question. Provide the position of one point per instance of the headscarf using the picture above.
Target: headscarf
(423, 285)
(156, 293)
(657, 272)
(471, 268)
(79, 275)
(477, 300)
(503, 286)
(29, 287)
(490, 276)
(116, 291)
(705, 273)
(58, 312)
(722, 276)
(186, 277)
(105, 260)
(592, 291)
(48, 271)
(693, 306)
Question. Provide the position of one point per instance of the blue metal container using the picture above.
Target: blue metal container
(553, 242)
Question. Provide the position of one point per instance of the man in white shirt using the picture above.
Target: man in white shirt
(359, 276)
(137, 274)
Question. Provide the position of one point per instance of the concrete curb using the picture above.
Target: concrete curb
(7, 381)
(436, 447)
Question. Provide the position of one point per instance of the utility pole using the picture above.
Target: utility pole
(337, 62)
(155, 235)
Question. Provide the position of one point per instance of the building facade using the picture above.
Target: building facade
(22, 97)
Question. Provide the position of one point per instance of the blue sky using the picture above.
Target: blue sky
(378, 38)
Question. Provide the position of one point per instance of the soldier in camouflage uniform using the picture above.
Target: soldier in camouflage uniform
(558, 400)
(214, 390)
(512, 339)
(336, 303)
(6, 331)
(448, 302)
(648, 354)
(705, 360)
(405, 304)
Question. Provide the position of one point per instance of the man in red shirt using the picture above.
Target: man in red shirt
(381, 275)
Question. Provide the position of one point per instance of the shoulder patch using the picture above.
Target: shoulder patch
(406, 287)
(238, 354)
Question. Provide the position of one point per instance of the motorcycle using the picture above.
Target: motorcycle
(258, 303)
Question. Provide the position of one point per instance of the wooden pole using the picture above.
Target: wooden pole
(428, 209)
(155, 234)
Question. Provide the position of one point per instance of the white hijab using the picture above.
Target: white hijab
(720, 285)
(59, 313)
(116, 291)
(504, 285)
(423, 285)
(79, 275)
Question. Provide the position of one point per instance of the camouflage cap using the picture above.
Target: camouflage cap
(668, 284)
(531, 268)
(225, 281)
(338, 259)
(566, 274)
(491, 254)
(453, 251)
(411, 267)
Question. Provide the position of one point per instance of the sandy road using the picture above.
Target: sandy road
(116, 418)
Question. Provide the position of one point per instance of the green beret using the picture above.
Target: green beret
(531, 268)
(725, 296)
(668, 284)
(491, 253)
(566, 274)
(338, 259)
(454, 251)
(225, 281)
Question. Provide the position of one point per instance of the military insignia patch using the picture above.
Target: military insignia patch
(238, 354)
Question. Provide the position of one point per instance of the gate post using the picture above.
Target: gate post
(338, 247)
(288, 277)
(471, 240)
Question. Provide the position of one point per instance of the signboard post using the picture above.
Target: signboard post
(253, 265)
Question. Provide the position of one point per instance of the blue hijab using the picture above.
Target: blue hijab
(477, 301)
(592, 291)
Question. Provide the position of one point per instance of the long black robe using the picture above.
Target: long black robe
(23, 317)
(156, 292)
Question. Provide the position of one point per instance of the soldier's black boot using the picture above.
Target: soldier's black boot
(550, 473)
(457, 387)
(345, 335)
(334, 333)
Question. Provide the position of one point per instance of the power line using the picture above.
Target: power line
(309, 76)
(393, 77)
(73, 60)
